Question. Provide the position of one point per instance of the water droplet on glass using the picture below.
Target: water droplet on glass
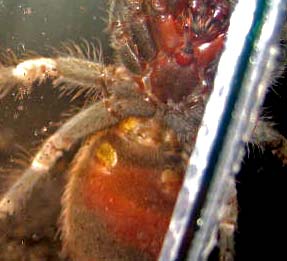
(15, 116)
(44, 129)
(27, 11)
(199, 222)
(21, 48)
(20, 108)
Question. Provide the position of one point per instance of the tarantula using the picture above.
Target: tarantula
(133, 140)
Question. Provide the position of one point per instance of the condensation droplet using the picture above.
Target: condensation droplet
(21, 48)
(27, 11)
(199, 222)
(15, 116)
(44, 129)
(20, 108)
(204, 129)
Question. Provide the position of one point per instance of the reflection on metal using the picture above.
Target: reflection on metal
(240, 85)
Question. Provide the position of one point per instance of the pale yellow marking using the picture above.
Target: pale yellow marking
(107, 155)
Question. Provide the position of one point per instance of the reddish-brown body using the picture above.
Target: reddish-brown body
(170, 49)
(120, 204)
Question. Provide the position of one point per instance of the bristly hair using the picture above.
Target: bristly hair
(83, 50)
(10, 173)
(72, 58)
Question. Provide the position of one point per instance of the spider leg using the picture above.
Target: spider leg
(265, 136)
(83, 77)
(228, 226)
(25, 74)
(17, 202)
(73, 75)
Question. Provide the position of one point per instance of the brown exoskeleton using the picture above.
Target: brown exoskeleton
(137, 133)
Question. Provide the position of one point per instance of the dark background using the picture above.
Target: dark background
(262, 190)
(38, 24)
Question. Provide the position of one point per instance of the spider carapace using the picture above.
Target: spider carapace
(123, 182)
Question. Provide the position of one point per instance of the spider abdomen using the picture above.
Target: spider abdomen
(121, 193)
